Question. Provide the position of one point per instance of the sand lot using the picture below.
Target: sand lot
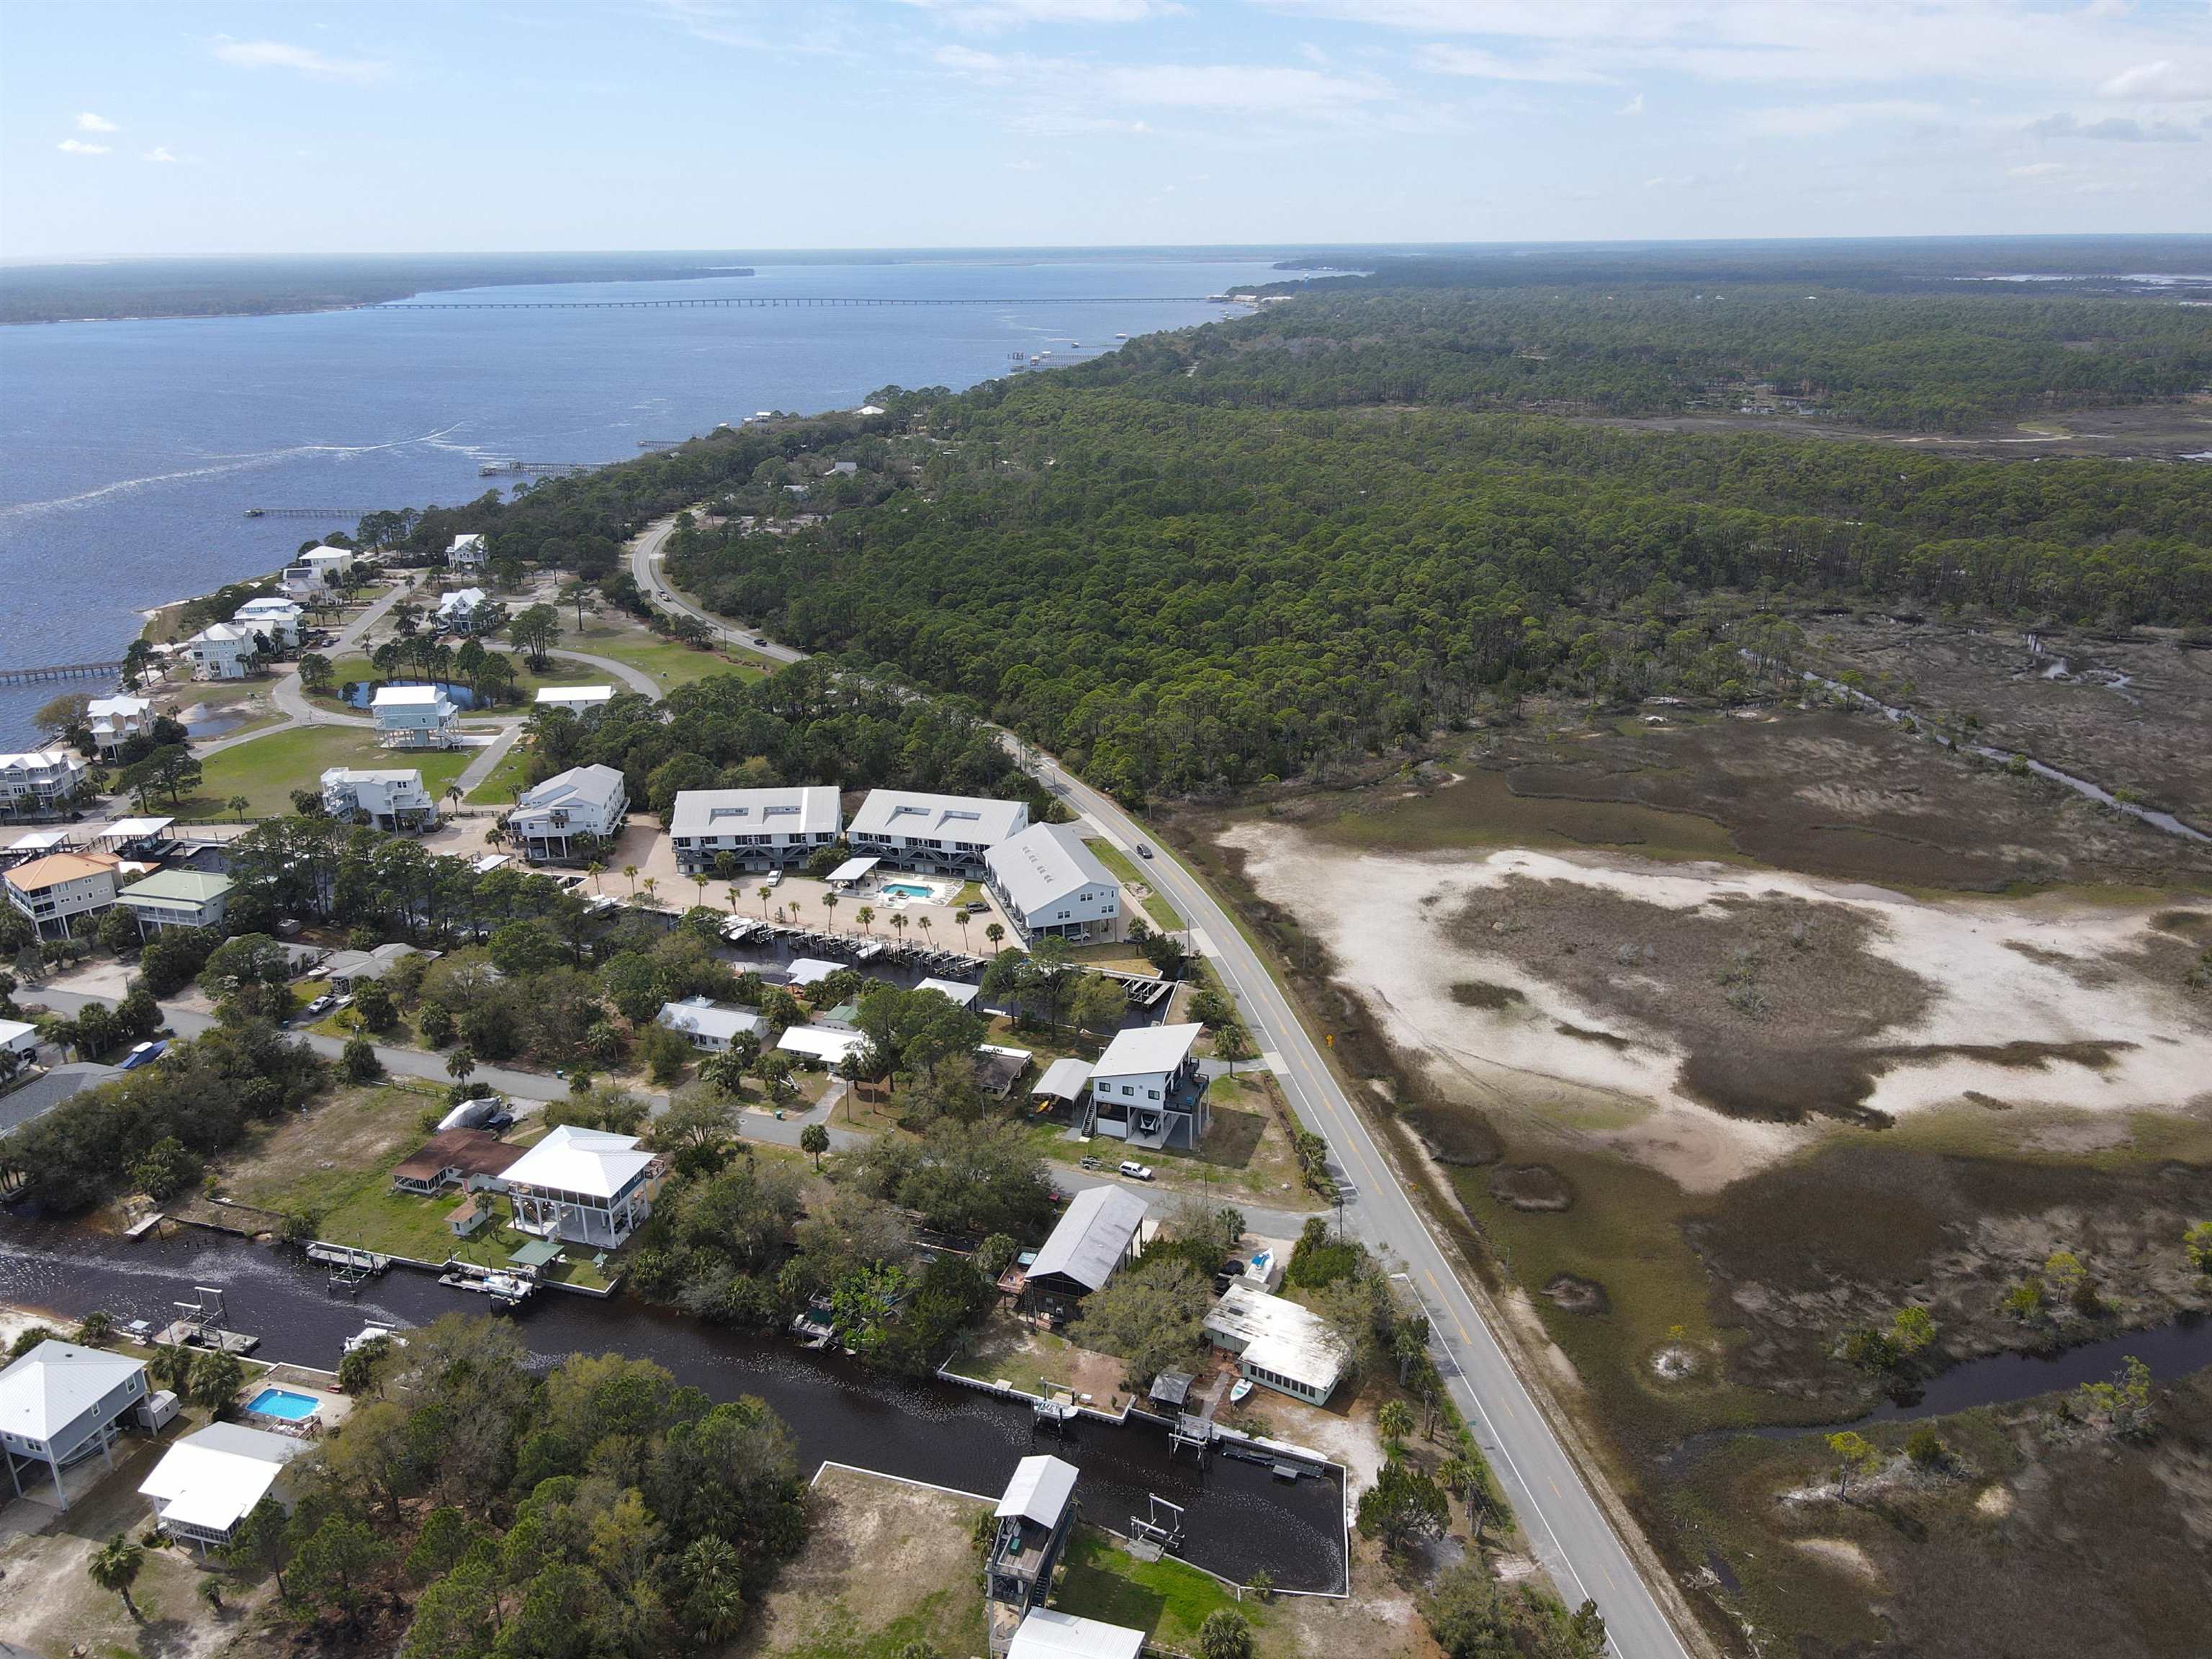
(1696, 1016)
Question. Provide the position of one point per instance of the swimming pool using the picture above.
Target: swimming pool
(283, 1404)
(907, 890)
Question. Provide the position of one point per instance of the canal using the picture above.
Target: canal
(1238, 1519)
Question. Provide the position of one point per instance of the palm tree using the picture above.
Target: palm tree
(993, 933)
(765, 892)
(865, 915)
(114, 1566)
(461, 1064)
(898, 923)
(97, 1327)
(830, 904)
(922, 922)
(238, 806)
(595, 869)
(631, 870)
(791, 905)
(699, 880)
(731, 893)
(961, 916)
(651, 886)
(211, 1591)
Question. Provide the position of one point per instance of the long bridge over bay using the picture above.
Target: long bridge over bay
(801, 301)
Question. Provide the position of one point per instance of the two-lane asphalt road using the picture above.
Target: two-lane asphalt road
(1566, 1525)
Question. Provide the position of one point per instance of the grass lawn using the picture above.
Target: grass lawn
(669, 664)
(1099, 1579)
(1007, 1351)
(267, 771)
(1163, 914)
(506, 780)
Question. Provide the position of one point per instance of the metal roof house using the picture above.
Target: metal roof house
(1030, 1528)
(1147, 1088)
(49, 1088)
(1062, 1084)
(1049, 882)
(1097, 1233)
(208, 1482)
(414, 717)
(1048, 1634)
(585, 803)
(760, 829)
(708, 1025)
(176, 898)
(59, 1404)
(946, 833)
(586, 1185)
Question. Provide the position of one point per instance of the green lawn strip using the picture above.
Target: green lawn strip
(948, 1621)
(1001, 1358)
(1163, 914)
(1099, 1579)
(670, 665)
(506, 779)
(267, 770)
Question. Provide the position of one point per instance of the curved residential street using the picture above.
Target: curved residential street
(1567, 1527)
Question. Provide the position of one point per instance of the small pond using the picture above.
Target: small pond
(360, 694)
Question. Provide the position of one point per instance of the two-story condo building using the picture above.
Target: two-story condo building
(54, 891)
(223, 651)
(40, 781)
(1147, 1088)
(115, 721)
(581, 806)
(277, 620)
(416, 717)
(948, 833)
(176, 898)
(394, 800)
(60, 1403)
(468, 553)
(586, 1185)
(1047, 882)
(761, 829)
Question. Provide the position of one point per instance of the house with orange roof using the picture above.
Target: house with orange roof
(60, 886)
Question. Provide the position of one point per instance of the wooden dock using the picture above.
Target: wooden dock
(62, 670)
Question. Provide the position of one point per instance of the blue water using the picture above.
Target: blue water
(361, 694)
(906, 889)
(283, 1404)
(130, 451)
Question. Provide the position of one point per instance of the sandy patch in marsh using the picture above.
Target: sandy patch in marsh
(1605, 1068)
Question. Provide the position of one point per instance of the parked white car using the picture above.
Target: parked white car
(1135, 1170)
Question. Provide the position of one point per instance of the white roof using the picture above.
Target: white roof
(323, 555)
(460, 541)
(853, 870)
(359, 775)
(1047, 1633)
(11, 1029)
(698, 1016)
(1045, 864)
(1145, 1050)
(103, 707)
(819, 1042)
(592, 1162)
(810, 970)
(596, 785)
(801, 810)
(56, 1383)
(1093, 1232)
(465, 599)
(135, 829)
(406, 696)
(269, 605)
(958, 990)
(1064, 1079)
(938, 818)
(1039, 1491)
(40, 840)
(568, 694)
(220, 634)
(213, 1479)
(1279, 1334)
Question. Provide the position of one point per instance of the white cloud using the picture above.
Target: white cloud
(1240, 88)
(159, 152)
(2113, 129)
(1633, 107)
(1440, 58)
(2038, 170)
(2163, 82)
(992, 14)
(1822, 120)
(88, 122)
(78, 147)
(304, 60)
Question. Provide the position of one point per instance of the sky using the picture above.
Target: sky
(636, 124)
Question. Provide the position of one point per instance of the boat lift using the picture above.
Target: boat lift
(1159, 1531)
